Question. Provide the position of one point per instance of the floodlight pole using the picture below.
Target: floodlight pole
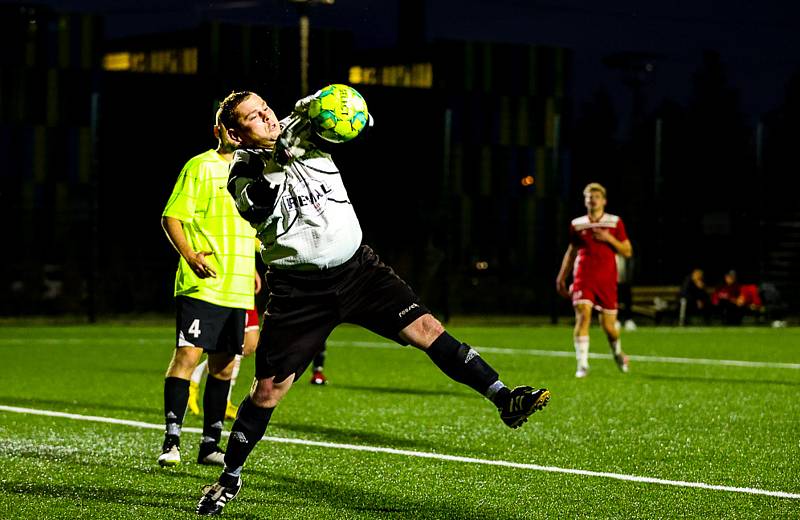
(305, 30)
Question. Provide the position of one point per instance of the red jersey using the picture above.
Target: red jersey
(595, 262)
(726, 292)
(748, 294)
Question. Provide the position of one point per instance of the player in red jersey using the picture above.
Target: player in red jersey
(595, 239)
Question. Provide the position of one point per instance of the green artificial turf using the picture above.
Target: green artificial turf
(736, 426)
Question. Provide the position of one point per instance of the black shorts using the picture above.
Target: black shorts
(305, 306)
(208, 326)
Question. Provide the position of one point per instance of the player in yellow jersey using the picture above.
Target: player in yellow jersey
(213, 290)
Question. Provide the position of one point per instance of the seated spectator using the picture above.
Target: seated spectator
(694, 299)
(749, 299)
(726, 300)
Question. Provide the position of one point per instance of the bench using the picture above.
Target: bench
(655, 302)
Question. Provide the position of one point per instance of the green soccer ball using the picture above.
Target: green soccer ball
(338, 113)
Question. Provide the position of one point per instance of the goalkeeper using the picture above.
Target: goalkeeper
(320, 275)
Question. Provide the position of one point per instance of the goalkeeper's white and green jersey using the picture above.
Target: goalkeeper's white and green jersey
(211, 223)
(313, 225)
(305, 220)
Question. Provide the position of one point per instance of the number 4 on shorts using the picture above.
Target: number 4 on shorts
(194, 328)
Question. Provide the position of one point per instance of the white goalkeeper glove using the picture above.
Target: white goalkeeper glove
(294, 140)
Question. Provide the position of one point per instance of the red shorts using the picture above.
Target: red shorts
(602, 297)
(251, 321)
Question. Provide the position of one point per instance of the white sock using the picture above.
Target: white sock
(582, 351)
(237, 361)
(493, 389)
(199, 370)
(616, 345)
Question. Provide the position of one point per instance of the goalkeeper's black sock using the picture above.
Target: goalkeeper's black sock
(176, 396)
(249, 427)
(462, 363)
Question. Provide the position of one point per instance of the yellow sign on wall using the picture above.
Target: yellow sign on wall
(165, 61)
(417, 75)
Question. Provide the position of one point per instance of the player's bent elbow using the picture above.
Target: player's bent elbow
(166, 222)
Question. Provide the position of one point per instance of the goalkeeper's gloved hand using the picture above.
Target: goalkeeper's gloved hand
(293, 141)
(301, 107)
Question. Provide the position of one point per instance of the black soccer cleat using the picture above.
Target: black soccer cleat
(523, 401)
(215, 496)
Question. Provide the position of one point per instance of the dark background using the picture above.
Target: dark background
(687, 113)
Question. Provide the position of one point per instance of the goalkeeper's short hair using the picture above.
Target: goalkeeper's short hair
(226, 115)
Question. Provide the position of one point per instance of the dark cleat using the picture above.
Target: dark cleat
(215, 496)
(523, 402)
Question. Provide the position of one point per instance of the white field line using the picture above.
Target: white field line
(426, 455)
(493, 350)
(570, 354)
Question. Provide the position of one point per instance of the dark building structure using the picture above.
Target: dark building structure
(466, 184)
(49, 81)
(481, 168)
(457, 183)
(94, 134)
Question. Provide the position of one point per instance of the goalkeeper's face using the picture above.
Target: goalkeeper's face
(257, 124)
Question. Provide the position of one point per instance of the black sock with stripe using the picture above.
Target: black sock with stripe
(249, 427)
(176, 397)
(461, 363)
(215, 401)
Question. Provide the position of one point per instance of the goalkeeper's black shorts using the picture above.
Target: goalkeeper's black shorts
(305, 306)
